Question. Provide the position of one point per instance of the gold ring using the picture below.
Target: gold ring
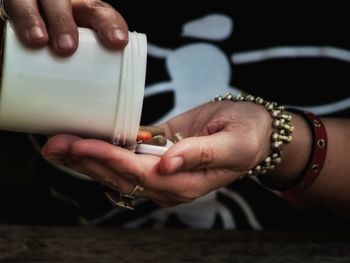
(124, 200)
(3, 14)
(135, 192)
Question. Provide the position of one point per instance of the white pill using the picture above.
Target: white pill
(153, 149)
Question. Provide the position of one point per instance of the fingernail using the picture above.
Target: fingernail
(36, 32)
(119, 35)
(176, 164)
(65, 41)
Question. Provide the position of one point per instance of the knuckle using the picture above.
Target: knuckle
(100, 7)
(30, 12)
(95, 4)
(206, 156)
(61, 17)
(24, 14)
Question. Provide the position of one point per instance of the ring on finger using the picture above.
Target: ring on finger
(135, 192)
(124, 200)
(3, 13)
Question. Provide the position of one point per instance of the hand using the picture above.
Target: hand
(224, 140)
(57, 23)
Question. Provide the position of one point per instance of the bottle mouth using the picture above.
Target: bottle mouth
(131, 90)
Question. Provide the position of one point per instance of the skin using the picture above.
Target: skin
(57, 24)
(223, 141)
(164, 183)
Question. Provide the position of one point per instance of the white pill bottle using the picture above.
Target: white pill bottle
(95, 93)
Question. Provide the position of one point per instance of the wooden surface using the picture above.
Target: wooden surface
(58, 244)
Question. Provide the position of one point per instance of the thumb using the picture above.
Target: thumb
(195, 153)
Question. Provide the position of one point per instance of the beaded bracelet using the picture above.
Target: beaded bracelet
(316, 159)
(280, 136)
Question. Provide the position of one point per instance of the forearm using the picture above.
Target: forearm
(331, 187)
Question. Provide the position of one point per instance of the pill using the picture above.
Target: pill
(159, 140)
(150, 149)
(153, 130)
(143, 136)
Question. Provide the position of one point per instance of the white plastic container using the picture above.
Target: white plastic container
(96, 93)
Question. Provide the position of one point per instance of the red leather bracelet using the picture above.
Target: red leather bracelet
(318, 152)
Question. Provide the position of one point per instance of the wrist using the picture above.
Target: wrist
(295, 155)
(282, 130)
(281, 135)
(316, 148)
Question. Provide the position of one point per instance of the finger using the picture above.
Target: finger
(214, 151)
(185, 187)
(143, 169)
(138, 169)
(28, 23)
(100, 173)
(122, 183)
(108, 23)
(61, 26)
(166, 191)
(121, 160)
(57, 147)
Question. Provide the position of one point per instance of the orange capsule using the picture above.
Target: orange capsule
(153, 129)
(143, 136)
